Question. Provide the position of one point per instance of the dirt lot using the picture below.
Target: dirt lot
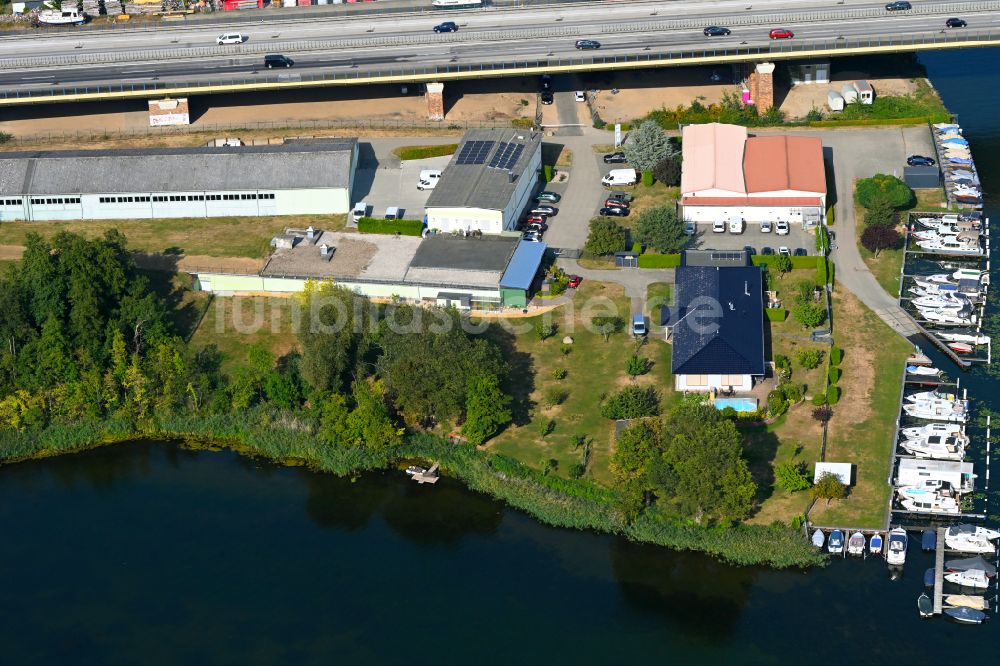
(640, 92)
(801, 99)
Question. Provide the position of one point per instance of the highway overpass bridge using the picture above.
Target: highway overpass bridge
(397, 45)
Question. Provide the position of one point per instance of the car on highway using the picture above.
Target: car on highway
(615, 158)
(574, 281)
(920, 160)
(719, 227)
(584, 44)
(272, 61)
(544, 210)
(554, 197)
(765, 227)
(955, 23)
(230, 38)
(447, 26)
(547, 97)
(613, 211)
(716, 31)
(781, 33)
(546, 82)
(580, 96)
(898, 6)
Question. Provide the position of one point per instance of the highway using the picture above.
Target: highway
(337, 46)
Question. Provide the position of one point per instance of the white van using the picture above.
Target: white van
(617, 177)
(428, 179)
(229, 38)
(736, 225)
(360, 210)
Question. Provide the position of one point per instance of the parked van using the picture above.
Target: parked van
(620, 177)
(428, 179)
(230, 38)
(360, 211)
(736, 225)
(638, 325)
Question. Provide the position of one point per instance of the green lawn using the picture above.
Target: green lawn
(594, 367)
(233, 323)
(658, 294)
(887, 265)
(217, 237)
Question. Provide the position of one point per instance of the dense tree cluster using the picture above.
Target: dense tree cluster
(660, 229)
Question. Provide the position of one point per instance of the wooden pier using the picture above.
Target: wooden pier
(939, 571)
(430, 476)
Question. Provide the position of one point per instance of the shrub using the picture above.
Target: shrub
(782, 263)
(566, 350)
(834, 374)
(809, 358)
(520, 122)
(791, 477)
(895, 192)
(577, 471)
(814, 115)
(836, 355)
(668, 171)
(776, 314)
(660, 229)
(547, 173)
(647, 178)
(559, 374)
(636, 365)
(824, 274)
(809, 314)
(632, 402)
(371, 225)
(605, 237)
(792, 392)
(880, 213)
(781, 362)
(819, 400)
(554, 396)
(545, 426)
(659, 260)
(829, 487)
(823, 413)
(771, 259)
(729, 413)
(822, 241)
(5, 137)
(424, 152)
(544, 329)
(777, 404)
(833, 394)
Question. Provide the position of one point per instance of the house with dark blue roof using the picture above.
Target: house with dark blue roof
(718, 328)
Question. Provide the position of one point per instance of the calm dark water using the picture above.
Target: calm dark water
(147, 553)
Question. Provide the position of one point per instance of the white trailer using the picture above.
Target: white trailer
(835, 101)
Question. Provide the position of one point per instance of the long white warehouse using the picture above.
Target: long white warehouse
(298, 177)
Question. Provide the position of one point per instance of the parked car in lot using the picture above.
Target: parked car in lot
(586, 44)
(617, 177)
(544, 210)
(781, 33)
(920, 160)
(574, 281)
(955, 23)
(719, 227)
(230, 38)
(532, 238)
(614, 211)
(554, 197)
(898, 6)
(272, 61)
(534, 219)
(638, 325)
(716, 31)
(580, 96)
(622, 195)
(447, 26)
(547, 97)
(538, 227)
(615, 158)
(781, 228)
(800, 252)
(615, 202)
(785, 251)
(736, 225)
(428, 179)
(690, 228)
(767, 251)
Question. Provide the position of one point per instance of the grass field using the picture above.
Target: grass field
(887, 265)
(658, 294)
(233, 323)
(216, 237)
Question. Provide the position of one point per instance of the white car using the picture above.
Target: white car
(428, 179)
(765, 227)
(580, 96)
(785, 251)
(781, 228)
(719, 227)
(230, 38)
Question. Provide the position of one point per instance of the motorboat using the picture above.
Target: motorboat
(944, 318)
(934, 429)
(974, 530)
(924, 605)
(928, 541)
(68, 15)
(971, 578)
(972, 339)
(919, 371)
(961, 347)
(818, 538)
(856, 544)
(970, 544)
(955, 411)
(942, 301)
(928, 487)
(950, 245)
(965, 615)
(929, 503)
(936, 394)
(875, 544)
(971, 564)
(896, 552)
(948, 448)
(967, 601)
(835, 544)
(414, 470)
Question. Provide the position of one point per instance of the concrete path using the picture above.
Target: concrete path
(635, 280)
(581, 195)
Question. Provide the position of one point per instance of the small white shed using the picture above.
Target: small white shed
(835, 101)
(843, 471)
(866, 94)
(849, 92)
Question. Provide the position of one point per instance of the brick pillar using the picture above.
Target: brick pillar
(763, 97)
(435, 101)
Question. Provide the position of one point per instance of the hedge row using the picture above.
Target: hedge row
(371, 225)
(659, 260)
(797, 262)
(776, 314)
(824, 271)
(424, 152)
(932, 118)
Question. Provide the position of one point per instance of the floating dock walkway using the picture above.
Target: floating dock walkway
(939, 571)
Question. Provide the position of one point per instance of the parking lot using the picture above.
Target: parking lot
(796, 239)
(385, 183)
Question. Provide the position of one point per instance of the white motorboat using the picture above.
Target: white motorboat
(875, 544)
(896, 552)
(919, 371)
(931, 395)
(68, 15)
(835, 544)
(965, 543)
(956, 411)
(947, 301)
(934, 234)
(963, 337)
(934, 429)
(974, 530)
(933, 503)
(856, 544)
(928, 487)
(968, 290)
(974, 578)
(818, 538)
(946, 449)
(950, 245)
(947, 318)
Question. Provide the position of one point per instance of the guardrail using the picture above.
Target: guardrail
(914, 42)
(519, 33)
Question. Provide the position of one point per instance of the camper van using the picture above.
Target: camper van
(360, 211)
(618, 177)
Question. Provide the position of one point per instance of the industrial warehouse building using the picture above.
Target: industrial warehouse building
(298, 177)
(484, 273)
(488, 183)
(728, 175)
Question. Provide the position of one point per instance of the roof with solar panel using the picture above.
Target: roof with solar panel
(486, 168)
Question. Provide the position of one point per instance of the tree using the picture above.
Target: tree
(605, 237)
(607, 325)
(809, 358)
(631, 402)
(660, 229)
(333, 338)
(544, 328)
(790, 476)
(487, 409)
(648, 145)
(878, 238)
(370, 424)
(782, 263)
(668, 171)
(101, 8)
(809, 313)
(896, 192)
(333, 414)
(636, 365)
(829, 487)
(880, 213)
(638, 449)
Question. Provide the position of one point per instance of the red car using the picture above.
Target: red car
(781, 33)
(535, 219)
(574, 281)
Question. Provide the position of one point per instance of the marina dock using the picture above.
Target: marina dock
(939, 571)
(430, 476)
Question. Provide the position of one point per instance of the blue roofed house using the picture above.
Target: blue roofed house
(718, 328)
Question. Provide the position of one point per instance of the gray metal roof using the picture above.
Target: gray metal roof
(299, 164)
(485, 253)
(464, 185)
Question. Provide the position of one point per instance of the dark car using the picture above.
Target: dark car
(920, 160)
(716, 31)
(615, 158)
(587, 44)
(548, 196)
(781, 33)
(613, 211)
(447, 26)
(955, 23)
(767, 251)
(574, 281)
(800, 252)
(272, 61)
(546, 82)
(898, 6)
(546, 97)
(538, 227)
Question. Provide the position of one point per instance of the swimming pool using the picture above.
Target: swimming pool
(739, 404)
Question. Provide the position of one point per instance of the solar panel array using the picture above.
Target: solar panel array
(727, 256)
(506, 156)
(474, 152)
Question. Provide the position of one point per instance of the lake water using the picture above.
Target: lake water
(148, 553)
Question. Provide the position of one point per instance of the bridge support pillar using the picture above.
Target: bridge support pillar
(435, 101)
(762, 86)
(169, 112)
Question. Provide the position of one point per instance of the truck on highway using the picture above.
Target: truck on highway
(457, 4)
